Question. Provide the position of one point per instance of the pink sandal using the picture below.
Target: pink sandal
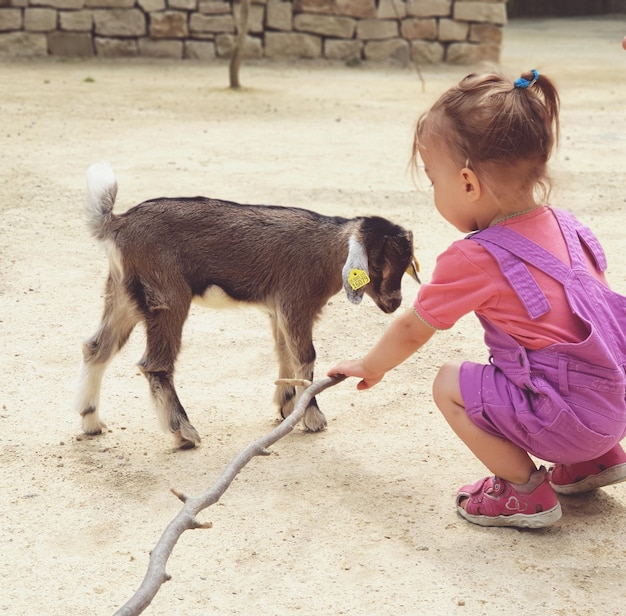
(583, 477)
(496, 502)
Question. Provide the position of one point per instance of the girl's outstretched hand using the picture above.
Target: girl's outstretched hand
(354, 367)
(405, 335)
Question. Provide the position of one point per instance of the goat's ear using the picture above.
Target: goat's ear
(355, 272)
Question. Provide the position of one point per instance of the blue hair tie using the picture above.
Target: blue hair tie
(524, 83)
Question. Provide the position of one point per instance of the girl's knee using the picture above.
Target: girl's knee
(446, 388)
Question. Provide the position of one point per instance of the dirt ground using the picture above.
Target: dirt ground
(356, 520)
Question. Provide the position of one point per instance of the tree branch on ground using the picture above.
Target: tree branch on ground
(186, 519)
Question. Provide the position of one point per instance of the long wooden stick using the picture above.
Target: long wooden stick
(156, 574)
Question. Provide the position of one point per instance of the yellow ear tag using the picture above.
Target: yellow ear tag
(413, 269)
(357, 278)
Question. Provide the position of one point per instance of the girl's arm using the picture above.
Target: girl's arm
(402, 338)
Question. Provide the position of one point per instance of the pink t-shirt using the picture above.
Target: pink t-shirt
(468, 279)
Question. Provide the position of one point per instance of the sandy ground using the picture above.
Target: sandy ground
(356, 520)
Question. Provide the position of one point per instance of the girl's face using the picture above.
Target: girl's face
(455, 197)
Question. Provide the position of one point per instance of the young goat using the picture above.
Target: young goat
(165, 253)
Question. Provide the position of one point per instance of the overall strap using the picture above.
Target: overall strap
(516, 272)
(577, 234)
(526, 250)
(513, 250)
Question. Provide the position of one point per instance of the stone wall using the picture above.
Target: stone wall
(423, 31)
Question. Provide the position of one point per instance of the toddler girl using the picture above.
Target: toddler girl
(555, 385)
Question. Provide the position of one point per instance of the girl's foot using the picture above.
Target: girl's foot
(586, 476)
(496, 502)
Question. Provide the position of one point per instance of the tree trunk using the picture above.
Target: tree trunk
(240, 41)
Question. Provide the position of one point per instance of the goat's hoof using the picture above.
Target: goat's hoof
(187, 439)
(314, 420)
(93, 425)
(184, 443)
(286, 409)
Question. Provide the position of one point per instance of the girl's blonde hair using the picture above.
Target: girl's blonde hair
(496, 126)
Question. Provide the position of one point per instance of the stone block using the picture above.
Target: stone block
(350, 8)
(211, 7)
(70, 44)
(58, 4)
(450, 30)
(170, 48)
(482, 12)
(292, 44)
(485, 33)
(425, 52)
(256, 17)
(429, 8)
(424, 29)
(376, 30)
(76, 21)
(391, 9)
(40, 20)
(23, 45)
(278, 15)
(10, 19)
(169, 24)
(115, 48)
(150, 6)
(182, 5)
(327, 25)
(343, 50)
(225, 44)
(109, 4)
(119, 22)
(199, 50)
(467, 53)
(211, 24)
(381, 51)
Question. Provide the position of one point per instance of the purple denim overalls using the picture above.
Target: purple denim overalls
(564, 403)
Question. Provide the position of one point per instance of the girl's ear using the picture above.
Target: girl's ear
(471, 184)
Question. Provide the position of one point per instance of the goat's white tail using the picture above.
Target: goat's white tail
(101, 193)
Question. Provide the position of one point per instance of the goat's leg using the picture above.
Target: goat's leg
(296, 355)
(119, 318)
(285, 395)
(164, 331)
(314, 420)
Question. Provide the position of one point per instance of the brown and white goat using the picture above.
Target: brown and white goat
(165, 253)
